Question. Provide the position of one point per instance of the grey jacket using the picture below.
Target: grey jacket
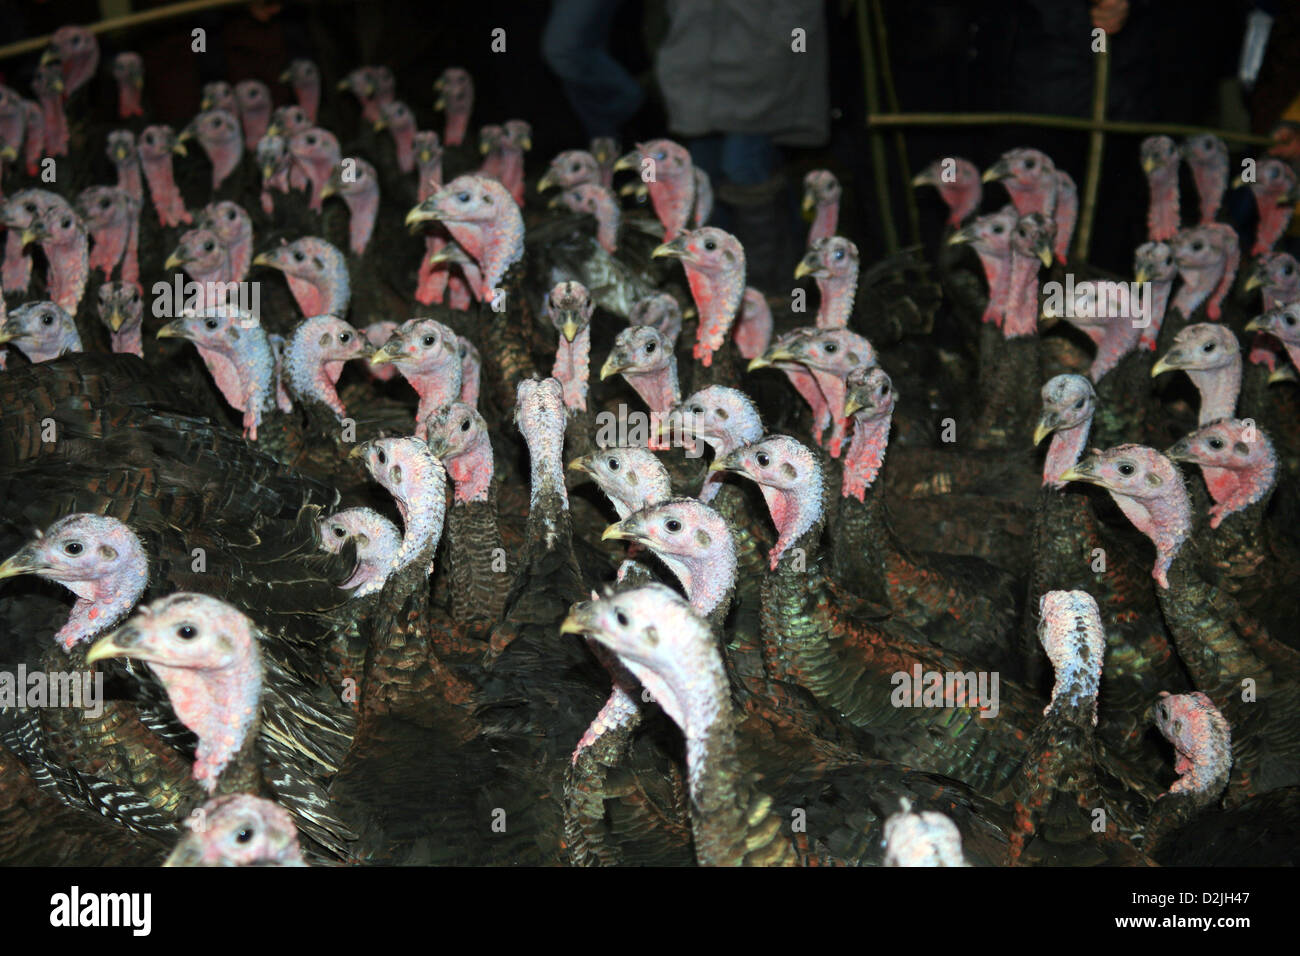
(727, 66)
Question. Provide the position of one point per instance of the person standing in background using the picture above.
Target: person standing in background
(740, 79)
(575, 45)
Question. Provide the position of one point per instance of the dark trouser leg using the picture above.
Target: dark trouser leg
(575, 45)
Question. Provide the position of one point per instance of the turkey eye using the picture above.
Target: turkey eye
(230, 214)
(649, 348)
(311, 140)
(381, 457)
(66, 223)
(673, 525)
(72, 547)
(710, 245)
(1030, 163)
(187, 632)
(208, 247)
(575, 168)
(210, 324)
(135, 294)
(1079, 403)
(839, 253)
(339, 532)
(462, 197)
(1126, 469)
(149, 138)
(1289, 319)
(999, 230)
(47, 320)
(30, 207)
(697, 409)
(1208, 347)
(1197, 246)
(884, 390)
(831, 348)
(428, 341)
(298, 257)
(464, 426)
(762, 459)
(1216, 443)
(1164, 712)
(244, 835)
(104, 204)
(621, 618)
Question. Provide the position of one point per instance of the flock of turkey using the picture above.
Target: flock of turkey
(416, 511)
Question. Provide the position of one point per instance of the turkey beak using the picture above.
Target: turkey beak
(179, 148)
(1180, 450)
(7, 153)
(49, 56)
(360, 451)
(327, 190)
(675, 249)
(622, 531)
(569, 328)
(424, 212)
(1082, 471)
(1167, 363)
(964, 234)
(177, 259)
(611, 367)
(31, 234)
(344, 85)
(1254, 325)
(582, 465)
(1284, 373)
(630, 160)
(631, 189)
(437, 446)
(120, 153)
(546, 182)
(770, 357)
(1149, 164)
(1046, 425)
(1254, 281)
(726, 463)
(264, 259)
(807, 266)
(172, 330)
(286, 76)
(485, 147)
(115, 319)
(183, 135)
(380, 125)
(851, 405)
(999, 170)
(925, 178)
(24, 562)
(809, 203)
(579, 619)
(1044, 252)
(382, 355)
(526, 144)
(441, 102)
(185, 854)
(1141, 275)
(442, 255)
(121, 643)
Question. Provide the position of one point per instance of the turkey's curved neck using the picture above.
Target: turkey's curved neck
(837, 295)
(796, 513)
(128, 178)
(221, 707)
(717, 300)
(364, 209)
(1022, 297)
(1235, 489)
(129, 339)
(1160, 289)
(997, 272)
(658, 389)
(1162, 214)
(472, 473)
(103, 603)
(573, 368)
(672, 198)
(1219, 388)
(311, 377)
(866, 455)
(1198, 283)
(825, 221)
(1211, 183)
(1066, 447)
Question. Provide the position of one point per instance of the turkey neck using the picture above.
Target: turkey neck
(573, 368)
(129, 339)
(312, 379)
(1066, 447)
(1162, 214)
(69, 269)
(1198, 283)
(363, 209)
(1022, 297)
(166, 196)
(223, 710)
(672, 198)
(457, 125)
(659, 388)
(17, 264)
(997, 272)
(825, 221)
(308, 96)
(475, 553)
(331, 297)
(608, 219)
(1160, 289)
(1211, 182)
(837, 295)
(102, 603)
(717, 300)
(128, 178)
(1219, 388)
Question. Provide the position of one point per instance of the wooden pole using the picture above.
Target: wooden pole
(1096, 148)
(122, 23)
(1061, 122)
(891, 100)
(878, 169)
